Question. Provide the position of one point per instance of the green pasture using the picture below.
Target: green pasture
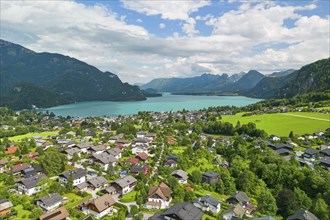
(44, 134)
(282, 123)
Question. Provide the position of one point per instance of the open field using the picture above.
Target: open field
(28, 135)
(282, 123)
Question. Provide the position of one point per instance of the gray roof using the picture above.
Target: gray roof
(326, 151)
(77, 173)
(97, 148)
(50, 199)
(137, 168)
(85, 145)
(5, 204)
(302, 215)
(81, 186)
(237, 209)
(125, 181)
(207, 199)
(311, 151)
(98, 181)
(114, 151)
(33, 181)
(180, 173)
(211, 174)
(109, 189)
(265, 218)
(185, 211)
(73, 150)
(325, 160)
(240, 197)
(105, 158)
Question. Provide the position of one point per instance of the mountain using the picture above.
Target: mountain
(247, 81)
(282, 73)
(314, 77)
(68, 79)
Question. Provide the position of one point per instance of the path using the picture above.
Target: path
(302, 116)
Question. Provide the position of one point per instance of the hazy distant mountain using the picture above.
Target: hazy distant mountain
(313, 77)
(247, 81)
(68, 79)
(282, 73)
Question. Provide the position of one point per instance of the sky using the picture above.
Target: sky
(143, 40)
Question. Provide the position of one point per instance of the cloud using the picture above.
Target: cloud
(171, 10)
(244, 38)
(162, 25)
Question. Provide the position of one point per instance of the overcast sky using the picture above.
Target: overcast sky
(142, 40)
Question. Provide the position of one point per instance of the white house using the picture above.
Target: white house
(124, 185)
(50, 201)
(207, 203)
(29, 186)
(104, 159)
(78, 175)
(115, 152)
(236, 211)
(99, 207)
(180, 175)
(159, 197)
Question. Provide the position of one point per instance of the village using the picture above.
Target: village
(157, 166)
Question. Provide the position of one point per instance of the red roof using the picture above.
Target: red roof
(120, 147)
(189, 188)
(133, 160)
(143, 156)
(11, 150)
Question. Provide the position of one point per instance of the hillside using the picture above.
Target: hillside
(314, 77)
(63, 76)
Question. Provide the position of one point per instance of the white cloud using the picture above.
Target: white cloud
(242, 39)
(162, 25)
(171, 9)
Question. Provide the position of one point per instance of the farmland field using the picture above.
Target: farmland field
(29, 135)
(282, 123)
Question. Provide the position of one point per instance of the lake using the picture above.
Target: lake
(165, 103)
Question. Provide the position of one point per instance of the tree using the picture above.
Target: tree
(56, 187)
(303, 201)
(286, 203)
(320, 208)
(266, 203)
(36, 213)
(189, 196)
(69, 185)
(53, 162)
(196, 176)
(134, 210)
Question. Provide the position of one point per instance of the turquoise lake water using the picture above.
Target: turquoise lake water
(157, 104)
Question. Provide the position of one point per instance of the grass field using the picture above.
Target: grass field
(282, 123)
(129, 197)
(21, 213)
(74, 200)
(28, 135)
(215, 195)
(203, 164)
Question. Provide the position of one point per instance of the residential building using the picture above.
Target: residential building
(325, 163)
(70, 152)
(50, 201)
(97, 182)
(3, 165)
(16, 169)
(78, 175)
(207, 203)
(210, 177)
(57, 214)
(115, 152)
(99, 207)
(29, 186)
(5, 206)
(104, 160)
(181, 176)
(302, 215)
(238, 198)
(159, 197)
(265, 218)
(124, 185)
(234, 212)
(139, 168)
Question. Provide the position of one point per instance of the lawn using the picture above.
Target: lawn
(206, 216)
(21, 213)
(203, 164)
(44, 134)
(74, 200)
(178, 150)
(282, 123)
(215, 195)
(129, 197)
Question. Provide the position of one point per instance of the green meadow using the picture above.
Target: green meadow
(282, 123)
(44, 134)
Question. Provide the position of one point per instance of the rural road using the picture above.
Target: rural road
(302, 116)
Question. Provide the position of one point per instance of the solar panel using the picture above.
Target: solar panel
(53, 215)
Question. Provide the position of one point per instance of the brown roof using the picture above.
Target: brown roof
(19, 167)
(30, 155)
(143, 156)
(101, 203)
(133, 160)
(162, 191)
(11, 150)
(154, 203)
(3, 161)
(57, 214)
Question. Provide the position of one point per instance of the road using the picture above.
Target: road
(302, 116)
(158, 162)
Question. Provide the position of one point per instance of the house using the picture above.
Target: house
(115, 152)
(97, 182)
(96, 149)
(133, 160)
(109, 190)
(11, 150)
(139, 149)
(84, 146)
(32, 171)
(32, 156)
(302, 215)
(159, 197)
(5, 206)
(172, 157)
(99, 207)
(310, 153)
(325, 152)
(50, 201)
(325, 163)
(116, 138)
(81, 186)
(124, 184)
(141, 134)
(234, 212)
(274, 138)
(207, 203)
(139, 168)
(171, 163)
(58, 214)
(238, 198)
(180, 175)
(3, 165)
(123, 142)
(78, 175)
(16, 169)
(143, 156)
(151, 136)
(29, 186)
(180, 211)
(265, 218)
(104, 159)
(70, 152)
(210, 177)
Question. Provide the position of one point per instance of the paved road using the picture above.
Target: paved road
(157, 163)
(302, 116)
